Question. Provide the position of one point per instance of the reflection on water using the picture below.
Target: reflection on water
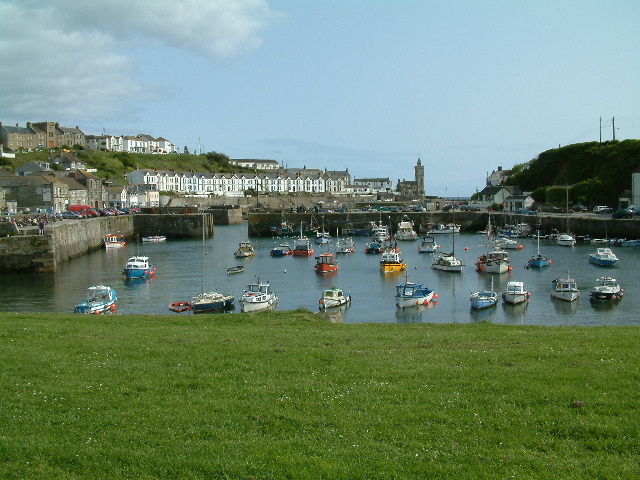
(562, 307)
(515, 313)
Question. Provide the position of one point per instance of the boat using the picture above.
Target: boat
(235, 269)
(373, 247)
(537, 259)
(405, 230)
(210, 301)
(348, 246)
(606, 289)
(428, 245)
(326, 263)
(245, 249)
(138, 267)
(507, 243)
(302, 246)
(565, 289)
(334, 297)
(448, 262)
(603, 256)
(444, 228)
(495, 261)
(113, 241)
(154, 238)
(630, 243)
(566, 239)
(515, 293)
(484, 298)
(258, 296)
(180, 307)
(281, 250)
(380, 232)
(100, 298)
(392, 262)
(411, 294)
(322, 237)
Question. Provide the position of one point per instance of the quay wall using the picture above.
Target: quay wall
(29, 252)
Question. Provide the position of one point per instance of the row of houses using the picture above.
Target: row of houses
(53, 135)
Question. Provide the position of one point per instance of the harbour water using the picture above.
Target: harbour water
(179, 277)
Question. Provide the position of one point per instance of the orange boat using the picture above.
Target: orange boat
(326, 263)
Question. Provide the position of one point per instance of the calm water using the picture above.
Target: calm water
(179, 277)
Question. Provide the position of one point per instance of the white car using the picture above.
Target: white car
(599, 208)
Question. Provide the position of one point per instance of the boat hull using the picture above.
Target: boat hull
(414, 301)
(566, 295)
(481, 300)
(209, 302)
(250, 305)
(139, 272)
(515, 298)
(392, 267)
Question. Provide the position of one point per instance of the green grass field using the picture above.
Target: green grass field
(290, 395)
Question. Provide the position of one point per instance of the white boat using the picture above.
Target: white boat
(565, 289)
(411, 294)
(346, 246)
(334, 297)
(113, 241)
(447, 262)
(322, 237)
(515, 293)
(258, 296)
(606, 289)
(380, 232)
(405, 230)
(245, 249)
(100, 298)
(484, 298)
(603, 256)
(566, 240)
(138, 267)
(444, 228)
(428, 245)
(154, 238)
(235, 269)
(505, 242)
(495, 261)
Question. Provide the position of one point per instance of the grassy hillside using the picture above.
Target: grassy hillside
(114, 165)
(289, 395)
(599, 172)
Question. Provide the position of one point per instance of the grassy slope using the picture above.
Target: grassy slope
(288, 395)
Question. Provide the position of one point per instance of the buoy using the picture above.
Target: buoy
(284, 271)
(425, 303)
(435, 295)
(466, 248)
(519, 247)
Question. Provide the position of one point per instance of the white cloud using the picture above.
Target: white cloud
(70, 59)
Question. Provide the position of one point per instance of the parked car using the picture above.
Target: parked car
(579, 208)
(599, 208)
(70, 215)
(623, 213)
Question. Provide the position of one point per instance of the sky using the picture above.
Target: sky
(371, 86)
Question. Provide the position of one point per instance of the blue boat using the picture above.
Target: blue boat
(484, 298)
(538, 260)
(373, 247)
(411, 294)
(281, 250)
(138, 267)
(603, 256)
(99, 299)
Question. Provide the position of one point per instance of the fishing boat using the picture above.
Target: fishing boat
(322, 237)
(565, 289)
(515, 293)
(346, 246)
(538, 260)
(180, 307)
(210, 301)
(380, 232)
(113, 241)
(606, 289)
(373, 247)
(154, 238)
(495, 261)
(603, 256)
(392, 262)
(100, 298)
(281, 250)
(138, 267)
(444, 228)
(428, 245)
(405, 230)
(411, 294)
(302, 246)
(326, 263)
(484, 298)
(258, 296)
(235, 269)
(334, 297)
(245, 249)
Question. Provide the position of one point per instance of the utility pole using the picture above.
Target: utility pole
(613, 126)
(600, 129)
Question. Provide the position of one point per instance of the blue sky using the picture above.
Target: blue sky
(465, 85)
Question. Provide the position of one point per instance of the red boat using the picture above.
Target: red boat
(180, 306)
(326, 263)
(302, 247)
